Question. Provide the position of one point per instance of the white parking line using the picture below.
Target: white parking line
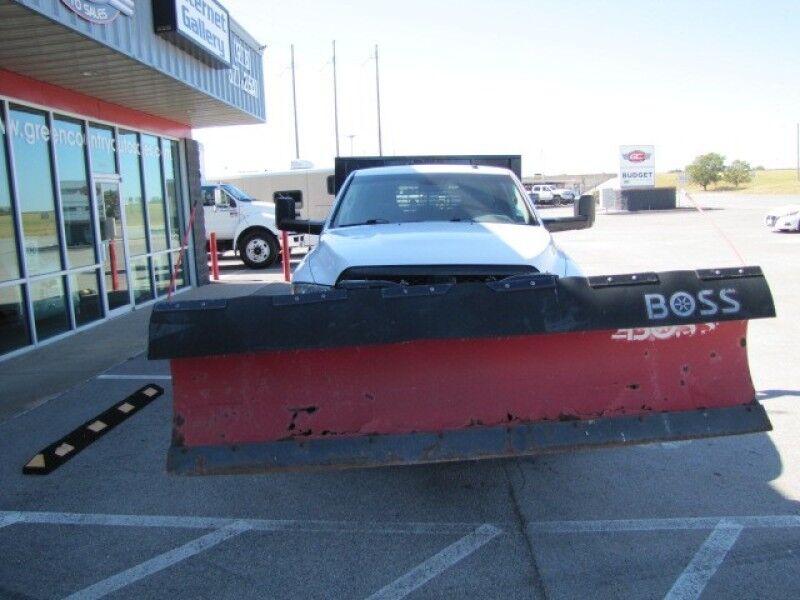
(437, 564)
(135, 377)
(188, 522)
(705, 563)
(620, 525)
(160, 562)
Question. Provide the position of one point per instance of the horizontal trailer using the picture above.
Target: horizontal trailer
(410, 374)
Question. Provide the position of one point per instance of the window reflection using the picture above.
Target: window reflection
(30, 139)
(86, 297)
(49, 307)
(162, 273)
(112, 244)
(13, 325)
(170, 152)
(102, 146)
(131, 190)
(9, 264)
(151, 158)
(69, 140)
(142, 290)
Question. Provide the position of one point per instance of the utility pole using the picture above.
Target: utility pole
(294, 104)
(335, 101)
(378, 90)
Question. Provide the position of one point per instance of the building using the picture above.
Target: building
(98, 171)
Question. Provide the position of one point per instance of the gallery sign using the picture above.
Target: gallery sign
(100, 11)
(637, 166)
(203, 24)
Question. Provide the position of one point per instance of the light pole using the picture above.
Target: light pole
(294, 104)
(335, 101)
(378, 91)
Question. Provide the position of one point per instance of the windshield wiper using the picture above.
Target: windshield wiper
(462, 220)
(367, 222)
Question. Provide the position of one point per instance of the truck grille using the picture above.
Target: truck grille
(431, 274)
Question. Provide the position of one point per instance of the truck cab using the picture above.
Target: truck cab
(243, 224)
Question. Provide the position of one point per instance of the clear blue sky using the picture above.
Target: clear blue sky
(564, 83)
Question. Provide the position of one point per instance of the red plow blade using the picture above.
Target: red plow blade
(467, 396)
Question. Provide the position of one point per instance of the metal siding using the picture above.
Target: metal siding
(134, 37)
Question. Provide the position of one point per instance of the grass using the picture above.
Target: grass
(773, 181)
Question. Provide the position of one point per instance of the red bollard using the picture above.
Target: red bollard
(212, 248)
(112, 259)
(285, 252)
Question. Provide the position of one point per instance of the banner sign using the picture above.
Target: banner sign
(637, 166)
(205, 24)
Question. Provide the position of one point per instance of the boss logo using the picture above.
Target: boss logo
(684, 304)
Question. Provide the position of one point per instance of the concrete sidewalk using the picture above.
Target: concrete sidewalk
(37, 376)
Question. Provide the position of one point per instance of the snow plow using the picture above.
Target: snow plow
(387, 361)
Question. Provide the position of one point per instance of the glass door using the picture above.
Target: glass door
(113, 251)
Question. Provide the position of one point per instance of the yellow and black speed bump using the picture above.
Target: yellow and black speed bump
(57, 453)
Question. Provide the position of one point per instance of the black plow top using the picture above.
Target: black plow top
(518, 305)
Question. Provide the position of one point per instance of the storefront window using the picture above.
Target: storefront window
(101, 146)
(13, 325)
(9, 265)
(49, 307)
(30, 139)
(76, 209)
(131, 188)
(170, 152)
(86, 297)
(151, 159)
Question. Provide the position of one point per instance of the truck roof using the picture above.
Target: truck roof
(454, 169)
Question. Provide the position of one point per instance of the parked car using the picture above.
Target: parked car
(784, 218)
(545, 193)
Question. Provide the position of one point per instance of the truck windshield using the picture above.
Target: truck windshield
(236, 193)
(415, 197)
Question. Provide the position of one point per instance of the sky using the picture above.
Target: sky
(563, 83)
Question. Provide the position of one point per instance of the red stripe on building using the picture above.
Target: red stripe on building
(26, 89)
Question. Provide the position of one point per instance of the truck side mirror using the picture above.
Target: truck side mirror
(583, 216)
(285, 210)
(286, 218)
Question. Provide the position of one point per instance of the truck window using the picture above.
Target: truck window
(295, 195)
(414, 197)
(330, 184)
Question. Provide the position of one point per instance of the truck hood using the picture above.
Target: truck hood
(430, 243)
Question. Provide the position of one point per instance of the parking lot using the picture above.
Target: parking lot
(711, 518)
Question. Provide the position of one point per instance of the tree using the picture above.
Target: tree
(738, 172)
(706, 168)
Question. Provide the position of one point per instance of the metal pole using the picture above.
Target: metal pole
(335, 101)
(378, 90)
(351, 136)
(798, 152)
(294, 104)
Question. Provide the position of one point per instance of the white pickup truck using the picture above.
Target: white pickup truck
(244, 225)
(422, 224)
(545, 193)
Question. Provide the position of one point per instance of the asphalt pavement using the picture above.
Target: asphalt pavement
(709, 518)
